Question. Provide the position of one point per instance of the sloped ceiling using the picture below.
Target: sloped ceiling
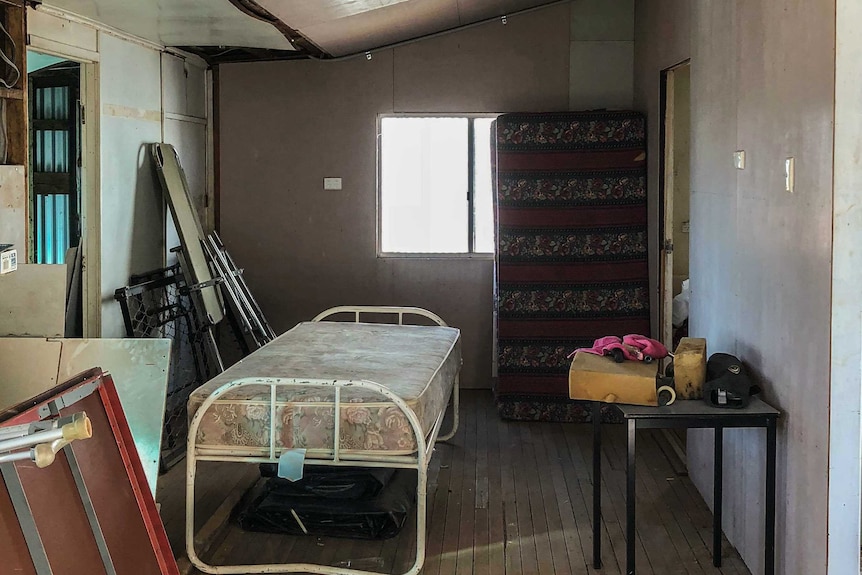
(328, 28)
(342, 27)
(181, 22)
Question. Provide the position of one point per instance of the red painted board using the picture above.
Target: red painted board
(116, 483)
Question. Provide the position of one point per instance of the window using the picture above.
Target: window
(435, 185)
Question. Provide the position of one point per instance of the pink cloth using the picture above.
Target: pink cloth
(634, 347)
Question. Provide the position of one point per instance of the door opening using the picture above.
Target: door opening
(674, 182)
(676, 194)
(55, 159)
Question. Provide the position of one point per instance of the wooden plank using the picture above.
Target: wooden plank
(216, 522)
(437, 506)
(13, 209)
(11, 93)
(62, 34)
(699, 536)
(614, 490)
(481, 543)
(17, 143)
(538, 523)
(496, 519)
(466, 540)
(651, 531)
(576, 521)
(613, 547)
(557, 560)
(526, 528)
(512, 546)
(448, 561)
(660, 482)
(576, 551)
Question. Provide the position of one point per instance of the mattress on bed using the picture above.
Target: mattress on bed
(418, 363)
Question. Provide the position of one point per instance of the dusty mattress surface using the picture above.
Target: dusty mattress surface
(417, 363)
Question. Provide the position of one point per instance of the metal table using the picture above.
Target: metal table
(686, 414)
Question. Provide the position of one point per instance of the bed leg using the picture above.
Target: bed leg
(421, 514)
(191, 468)
(456, 392)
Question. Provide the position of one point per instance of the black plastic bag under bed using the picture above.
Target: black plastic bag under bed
(332, 502)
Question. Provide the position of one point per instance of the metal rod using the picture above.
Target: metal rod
(18, 430)
(597, 485)
(239, 287)
(231, 289)
(456, 400)
(769, 559)
(31, 439)
(92, 518)
(258, 313)
(630, 498)
(336, 436)
(18, 456)
(343, 462)
(272, 422)
(716, 496)
(25, 519)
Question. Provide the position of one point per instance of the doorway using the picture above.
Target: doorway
(55, 158)
(63, 178)
(674, 181)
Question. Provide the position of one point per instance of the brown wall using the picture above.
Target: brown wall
(763, 82)
(287, 125)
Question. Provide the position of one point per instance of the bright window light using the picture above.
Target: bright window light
(427, 202)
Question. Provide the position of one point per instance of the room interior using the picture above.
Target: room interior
(265, 101)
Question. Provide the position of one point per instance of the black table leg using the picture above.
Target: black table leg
(630, 498)
(716, 496)
(769, 562)
(597, 485)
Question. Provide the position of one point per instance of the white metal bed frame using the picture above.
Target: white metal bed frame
(419, 461)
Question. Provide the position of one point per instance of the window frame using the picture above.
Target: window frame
(471, 213)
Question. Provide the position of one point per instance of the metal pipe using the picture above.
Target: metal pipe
(31, 439)
(78, 428)
(17, 456)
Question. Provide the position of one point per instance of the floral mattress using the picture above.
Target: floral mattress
(417, 363)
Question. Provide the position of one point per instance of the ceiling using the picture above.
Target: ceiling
(321, 28)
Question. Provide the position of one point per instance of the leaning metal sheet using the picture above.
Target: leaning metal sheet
(417, 363)
(176, 192)
(139, 368)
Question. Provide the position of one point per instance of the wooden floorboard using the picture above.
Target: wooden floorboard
(504, 498)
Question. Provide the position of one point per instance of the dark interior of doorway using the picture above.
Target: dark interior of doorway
(55, 161)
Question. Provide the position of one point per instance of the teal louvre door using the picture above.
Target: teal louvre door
(54, 162)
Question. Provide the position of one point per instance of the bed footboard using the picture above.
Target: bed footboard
(418, 461)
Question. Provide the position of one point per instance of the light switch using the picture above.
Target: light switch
(331, 183)
(739, 159)
(789, 174)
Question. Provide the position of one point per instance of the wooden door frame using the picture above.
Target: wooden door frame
(91, 228)
(666, 185)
